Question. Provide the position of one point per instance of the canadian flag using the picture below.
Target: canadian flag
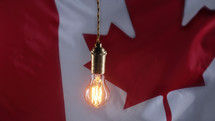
(160, 62)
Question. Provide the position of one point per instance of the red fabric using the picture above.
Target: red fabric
(164, 56)
(30, 77)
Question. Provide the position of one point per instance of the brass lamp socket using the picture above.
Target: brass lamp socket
(98, 58)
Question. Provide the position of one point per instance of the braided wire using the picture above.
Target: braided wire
(98, 22)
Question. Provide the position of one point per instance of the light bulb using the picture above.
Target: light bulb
(97, 93)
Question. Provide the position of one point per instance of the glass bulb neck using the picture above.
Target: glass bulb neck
(97, 78)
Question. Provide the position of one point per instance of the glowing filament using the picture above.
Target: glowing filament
(97, 93)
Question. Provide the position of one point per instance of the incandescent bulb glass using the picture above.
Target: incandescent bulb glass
(97, 93)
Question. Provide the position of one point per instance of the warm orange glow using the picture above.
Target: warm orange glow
(97, 93)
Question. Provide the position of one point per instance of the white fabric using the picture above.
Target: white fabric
(192, 7)
(78, 17)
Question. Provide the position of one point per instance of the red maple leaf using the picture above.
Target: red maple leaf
(164, 56)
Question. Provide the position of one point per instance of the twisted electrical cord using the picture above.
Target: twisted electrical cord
(98, 22)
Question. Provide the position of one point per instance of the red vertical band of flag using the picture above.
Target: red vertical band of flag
(30, 77)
